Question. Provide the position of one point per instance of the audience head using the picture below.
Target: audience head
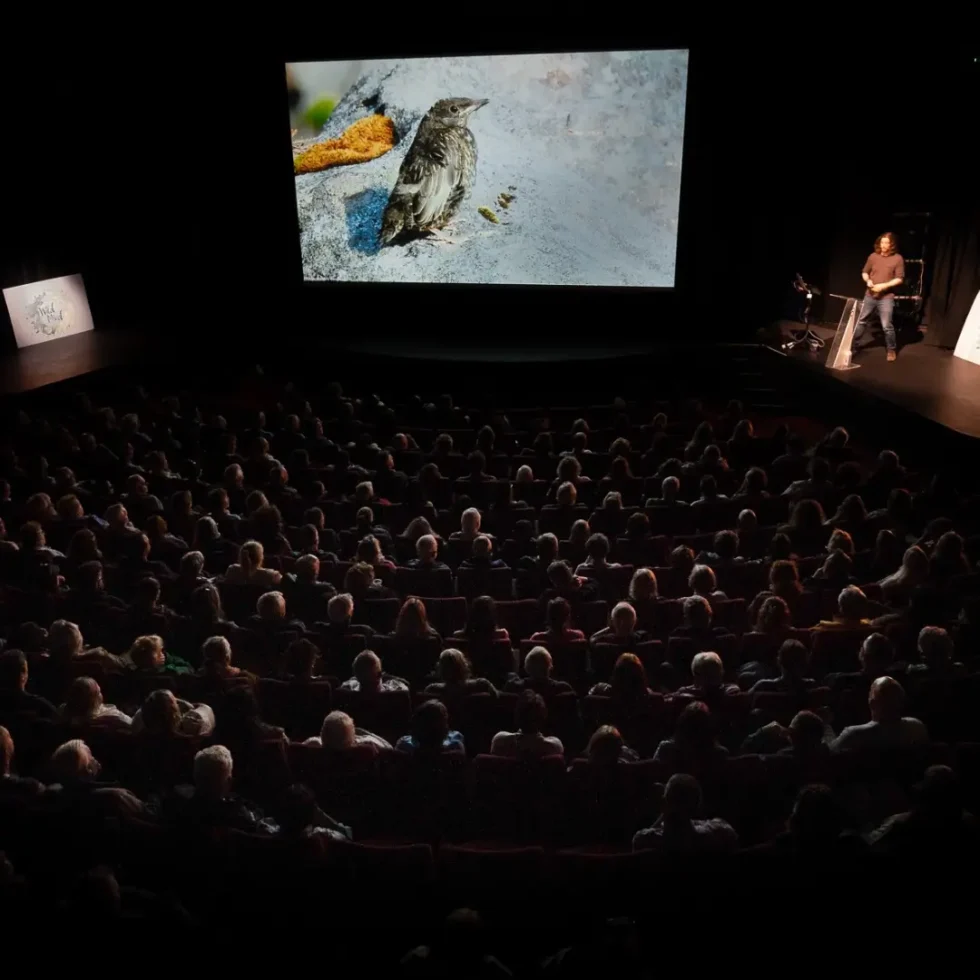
(430, 725)
(708, 671)
(605, 746)
(6, 756)
(216, 653)
(64, 640)
(160, 713)
(147, 652)
(192, 565)
(337, 734)
(547, 546)
(271, 606)
(482, 617)
(301, 658)
(643, 584)
(774, 615)
(638, 526)
(629, 677)
(806, 731)
(412, 619)
(13, 670)
(340, 609)
(559, 613)
(470, 522)
(725, 544)
(427, 548)
(852, 603)
(840, 540)
(807, 515)
(251, 556)
(816, 817)
(682, 798)
(695, 725)
(578, 534)
(597, 548)
(886, 699)
(935, 647)
(793, 658)
(670, 489)
(697, 612)
(747, 522)
(367, 669)
(784, 578)
(537, 664)
(566, 495)
(682, 559)
(702, 580)
(482, 547)
(622, 619)
(73, 762)
(560, 575)
(876, 654)
(454, 667)
(532, 713)
(213, 769)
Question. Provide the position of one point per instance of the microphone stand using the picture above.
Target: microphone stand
(807, 337)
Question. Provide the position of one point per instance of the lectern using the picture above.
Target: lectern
(839, 358)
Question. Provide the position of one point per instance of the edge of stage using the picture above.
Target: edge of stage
(927, 381)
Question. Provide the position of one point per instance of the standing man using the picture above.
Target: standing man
(884, 270)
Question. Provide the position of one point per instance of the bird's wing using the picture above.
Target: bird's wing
(428, 180)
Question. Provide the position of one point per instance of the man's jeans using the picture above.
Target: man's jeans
(884, 305)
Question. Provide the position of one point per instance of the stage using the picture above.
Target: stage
(925, 380)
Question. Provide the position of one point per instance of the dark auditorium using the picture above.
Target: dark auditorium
(508, 511)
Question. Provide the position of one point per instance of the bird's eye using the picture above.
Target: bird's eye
(454, 108)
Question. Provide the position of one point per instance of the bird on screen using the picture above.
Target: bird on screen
(436, 175)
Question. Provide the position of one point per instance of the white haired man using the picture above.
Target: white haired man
(74, 774)
(338, 734)
(270, 616)
(369, 678)
(888, 727)
(537, 671)
(708, 675)
(469, 525)
(340, 614)
(621, 631)
(852, 610)
(211, 804)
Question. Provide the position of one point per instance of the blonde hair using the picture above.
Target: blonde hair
(251, 555)
(144, 649)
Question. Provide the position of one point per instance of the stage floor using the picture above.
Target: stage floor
(924, 379)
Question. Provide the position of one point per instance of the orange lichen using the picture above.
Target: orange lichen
(370, 137)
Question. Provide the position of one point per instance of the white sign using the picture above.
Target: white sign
(968, 346)
(47, 310)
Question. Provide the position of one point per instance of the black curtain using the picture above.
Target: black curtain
(955, 277)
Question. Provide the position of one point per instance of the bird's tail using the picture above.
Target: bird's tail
(392, 225)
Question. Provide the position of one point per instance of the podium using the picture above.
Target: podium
(839, 358)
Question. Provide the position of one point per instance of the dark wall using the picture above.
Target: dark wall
(163, 176)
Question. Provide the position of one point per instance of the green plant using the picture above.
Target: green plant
(318, 112)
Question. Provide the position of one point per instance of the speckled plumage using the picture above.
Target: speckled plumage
(437, 172)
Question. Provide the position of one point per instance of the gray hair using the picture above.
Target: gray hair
(73, 760)
(337, 731)
(708, 668)
(852, 601)
(537, 663)
(213, 767)
(65, 638)
(340, 608)
(697, 610)
(471, 517)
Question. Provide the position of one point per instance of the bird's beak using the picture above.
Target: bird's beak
(478, 104)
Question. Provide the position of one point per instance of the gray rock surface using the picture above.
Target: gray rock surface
(589, 145)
